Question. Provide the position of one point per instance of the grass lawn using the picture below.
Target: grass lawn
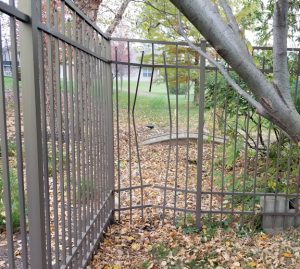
(8, 83)
(153, 107)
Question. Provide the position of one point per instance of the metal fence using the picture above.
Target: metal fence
(216, 161)
(56, 129)
(187, 148)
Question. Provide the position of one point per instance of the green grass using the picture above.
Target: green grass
(153, 107)
(13, 180)
(8, 83)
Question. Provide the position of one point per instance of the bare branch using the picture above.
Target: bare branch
(234, 85)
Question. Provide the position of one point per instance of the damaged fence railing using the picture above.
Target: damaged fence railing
(199, 149)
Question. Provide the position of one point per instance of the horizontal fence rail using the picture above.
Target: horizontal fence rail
(57, 171)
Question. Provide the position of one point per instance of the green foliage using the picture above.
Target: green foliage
(13, 179)
(283, 162)
(146, 264)
(233, 153)
(159, 251)
(262, 16)
(182, 89)
(210, 226)
(186, 223)
(219, 93)
(11, 149)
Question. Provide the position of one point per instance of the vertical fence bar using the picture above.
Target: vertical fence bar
(213, 145)
(45, 154)
(118, 135)
(29, 41)
(136, 135)
(177, 131)
(5, 166)
(129, 132)
(16, 90)
(187, 141)
(111, 133)
(224, 151)
(170, 135)
(200, 137)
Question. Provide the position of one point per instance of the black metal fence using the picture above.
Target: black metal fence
(190, 147)
(56, 175)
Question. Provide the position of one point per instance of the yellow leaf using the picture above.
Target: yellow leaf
(287, 254)
(130, 238)
(263, 237)
(252, 264)
(135, 246)
(116, 266)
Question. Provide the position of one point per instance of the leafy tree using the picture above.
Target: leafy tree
(158, 20)
(273, 100)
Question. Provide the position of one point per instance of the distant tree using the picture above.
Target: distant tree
(158, 20)
(119, 49)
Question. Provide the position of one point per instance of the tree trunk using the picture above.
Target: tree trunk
(277, 106)
(196, 82)
(196, 91)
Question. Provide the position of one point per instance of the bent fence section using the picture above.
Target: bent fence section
(56, 129)
(214, 160)
(217, 162)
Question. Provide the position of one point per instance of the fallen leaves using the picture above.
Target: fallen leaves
(167, 247)
(151, 244)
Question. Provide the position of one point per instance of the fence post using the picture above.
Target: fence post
(111, 132)
(200, 136)
(29, 42)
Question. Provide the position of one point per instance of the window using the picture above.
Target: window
(147, 72)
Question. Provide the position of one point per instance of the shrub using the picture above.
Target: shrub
(182, 88)
(14, 200)
(11, 149)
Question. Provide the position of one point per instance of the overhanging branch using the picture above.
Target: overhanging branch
(259, 108)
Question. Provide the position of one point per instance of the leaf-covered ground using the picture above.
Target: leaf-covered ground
(148, 244)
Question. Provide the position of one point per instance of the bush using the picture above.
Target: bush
(182, 89)
(11, 149)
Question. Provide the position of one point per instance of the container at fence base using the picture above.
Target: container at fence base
(279, 213)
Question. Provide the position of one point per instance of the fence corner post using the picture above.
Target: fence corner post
(29, 42)
(200, 136)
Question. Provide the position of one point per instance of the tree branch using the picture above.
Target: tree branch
(280, 63)
(118, 17)
(259, 108)
(158, 9)
(204, 16)
(230, 17)
(234, 25)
